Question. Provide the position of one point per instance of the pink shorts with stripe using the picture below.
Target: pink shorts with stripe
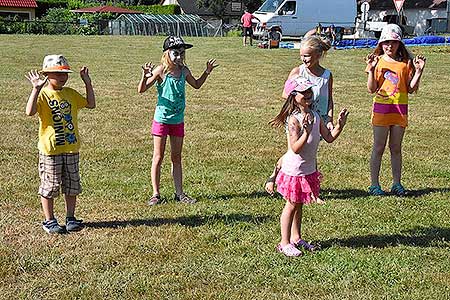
(160, 129)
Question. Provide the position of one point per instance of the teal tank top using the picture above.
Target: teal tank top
(171, 100)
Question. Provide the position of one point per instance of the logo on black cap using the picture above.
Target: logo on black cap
(174, 42)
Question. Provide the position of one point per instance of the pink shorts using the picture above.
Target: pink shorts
(160, 129)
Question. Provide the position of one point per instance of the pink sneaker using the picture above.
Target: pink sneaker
(289, 250)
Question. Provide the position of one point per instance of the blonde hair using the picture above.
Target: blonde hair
(319, 44)
(167, 63)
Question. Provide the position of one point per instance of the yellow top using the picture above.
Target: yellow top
(58, 120)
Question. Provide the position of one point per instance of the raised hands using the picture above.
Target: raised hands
(372, 60)
(342, 118)
(419, 62)
(147, 70)
(308, 121)
(84, 74)
(210, 65)
(34, 77)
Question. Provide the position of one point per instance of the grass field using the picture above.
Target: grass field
(223, 247)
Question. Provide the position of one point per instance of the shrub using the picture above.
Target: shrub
(45, 5)
(157, 9)
(234, 33)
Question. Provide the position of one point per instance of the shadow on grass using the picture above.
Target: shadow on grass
(355, 193)
(254, 194)
(418, 237)
(344, 194)
(191, 221)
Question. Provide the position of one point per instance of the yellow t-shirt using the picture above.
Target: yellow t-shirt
(58, 120)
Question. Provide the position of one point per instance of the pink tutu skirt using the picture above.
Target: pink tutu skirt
(299, 189)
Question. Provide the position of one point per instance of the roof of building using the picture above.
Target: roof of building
(409, 4)
(18, 3)
(106, 9)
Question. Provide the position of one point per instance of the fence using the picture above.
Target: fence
(43, 27)
(184, 25)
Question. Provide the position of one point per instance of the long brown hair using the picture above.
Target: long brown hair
(402, 52)
(289, 106)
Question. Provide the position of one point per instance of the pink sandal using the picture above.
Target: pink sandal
(289, 250)
(155, 199)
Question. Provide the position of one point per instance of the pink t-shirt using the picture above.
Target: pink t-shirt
(246, 19)
(305, 162)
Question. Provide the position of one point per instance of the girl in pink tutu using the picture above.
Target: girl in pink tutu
(299, 180)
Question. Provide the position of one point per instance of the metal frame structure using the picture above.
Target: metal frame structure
(147, 24)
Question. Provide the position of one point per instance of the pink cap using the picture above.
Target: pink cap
(299, 84)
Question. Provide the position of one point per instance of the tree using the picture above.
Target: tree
(252, 5)
(217, 7)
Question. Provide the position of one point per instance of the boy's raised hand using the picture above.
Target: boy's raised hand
(210, 65)
(84, 74)
(35, 79)
(147, 70)
(419, 62)
(342, 118)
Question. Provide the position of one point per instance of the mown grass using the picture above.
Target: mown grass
(223, 247)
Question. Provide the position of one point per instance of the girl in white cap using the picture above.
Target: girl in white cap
(170, 78)
(298, 181)
(392, 74)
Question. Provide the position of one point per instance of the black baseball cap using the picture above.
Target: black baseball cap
(175, 42)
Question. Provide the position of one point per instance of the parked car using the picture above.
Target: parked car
(297, 17)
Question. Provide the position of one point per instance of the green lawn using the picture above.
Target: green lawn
(223, 247)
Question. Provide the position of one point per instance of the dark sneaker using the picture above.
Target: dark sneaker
(398, 190)
(184, 198)
(73, 224)
(375, 190)
(52, 226)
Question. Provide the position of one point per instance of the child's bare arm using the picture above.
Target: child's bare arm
(197, 83)
(149, 76)
(90, 95)
(34, 77)
(298, 133)
(371, 61)
(419, 65)
(330, 135)
(330, 112)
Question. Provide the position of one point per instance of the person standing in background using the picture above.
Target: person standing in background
(247, 28)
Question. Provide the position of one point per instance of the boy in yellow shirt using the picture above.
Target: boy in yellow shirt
(59, 141)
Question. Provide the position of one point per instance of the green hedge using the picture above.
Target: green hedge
(44, 5)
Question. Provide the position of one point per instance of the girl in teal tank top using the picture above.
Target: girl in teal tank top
(170, 78)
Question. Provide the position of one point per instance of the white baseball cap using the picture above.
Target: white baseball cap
(55, 63)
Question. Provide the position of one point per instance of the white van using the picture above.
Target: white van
(297, 17)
